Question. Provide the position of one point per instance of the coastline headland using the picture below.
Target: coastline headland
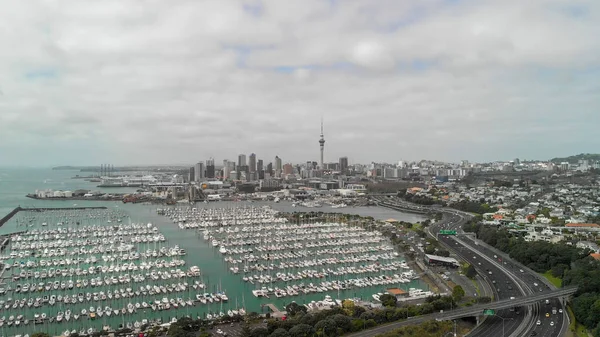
(18, 209)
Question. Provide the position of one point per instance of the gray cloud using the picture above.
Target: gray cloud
(159, 82)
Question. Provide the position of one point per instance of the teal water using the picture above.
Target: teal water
(16, 183)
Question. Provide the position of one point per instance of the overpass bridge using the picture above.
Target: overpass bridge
(477, 310)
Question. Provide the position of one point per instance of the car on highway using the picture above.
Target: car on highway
(538, 322)
(547, 314)
(521, 270)
(551, 323)
(560, 311)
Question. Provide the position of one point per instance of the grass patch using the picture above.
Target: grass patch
(417, 226)
(476, 285)
(575, 329)
(554, 280)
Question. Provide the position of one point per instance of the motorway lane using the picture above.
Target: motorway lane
(504, 288)
(545, 328)
(454, 219)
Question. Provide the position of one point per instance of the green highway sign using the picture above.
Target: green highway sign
(489, 312)
(447, 232)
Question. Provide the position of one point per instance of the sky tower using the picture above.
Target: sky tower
(322, 145)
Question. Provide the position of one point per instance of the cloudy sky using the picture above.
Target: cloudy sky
(169, 82)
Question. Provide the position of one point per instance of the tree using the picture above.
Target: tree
(176, 330)
(458, 293)
(301, 330)
(260, 332)
(294, 308)
(246, 331)
(388, 300)
(326, 327)
(279, 332)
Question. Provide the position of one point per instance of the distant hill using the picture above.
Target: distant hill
(574, 159)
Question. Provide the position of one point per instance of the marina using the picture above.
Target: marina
(215, 267)
(95, 270)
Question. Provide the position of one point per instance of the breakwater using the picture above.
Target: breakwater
(18, 209)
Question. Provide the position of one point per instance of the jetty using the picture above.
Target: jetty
(275, 312)
(18, 209)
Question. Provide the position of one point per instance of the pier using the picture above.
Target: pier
(14, 212)
(275, 312)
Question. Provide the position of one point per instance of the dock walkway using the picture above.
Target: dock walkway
(275, 311)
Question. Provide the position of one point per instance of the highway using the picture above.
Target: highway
(508, 278)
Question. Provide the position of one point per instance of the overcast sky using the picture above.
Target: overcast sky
(169, 82)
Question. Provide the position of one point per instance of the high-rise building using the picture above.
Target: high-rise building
(260, 169)
(344, 165)
(321, 145)
(242, 160)
(252, 162)
(269, 169)
(192, 176)
(210, 168)
(278, 167)
(288, 169)
(199, 172)
(226, 169)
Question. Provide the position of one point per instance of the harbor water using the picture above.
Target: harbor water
(215, 272)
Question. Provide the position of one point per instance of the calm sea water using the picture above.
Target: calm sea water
(16, 183)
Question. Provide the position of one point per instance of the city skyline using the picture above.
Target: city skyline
(87, 82)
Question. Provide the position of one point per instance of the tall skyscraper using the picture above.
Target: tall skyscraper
(192, 175)
(278, 167)
(343, 165)
(199, 172)
(252, 162)
(242, 160)
(260, 169)
(269, 169)
(210, 168)
(322, 145)
(226, 169)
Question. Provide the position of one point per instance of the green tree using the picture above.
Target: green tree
(175, 330)
(260, 332)
(301, 330)
(246, 331)
(279, 332)
(470, 272)
(388, 300)
(294, 308)
(326, 327)
(458, 293)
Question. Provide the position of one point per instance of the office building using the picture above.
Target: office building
(252, 162)
(278, 167)
(210, 168)
(260, 169)
(344, 165)
(242, 160)
(199, 172)
(269, 169)
(191, 176)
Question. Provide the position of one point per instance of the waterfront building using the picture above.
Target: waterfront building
(269, 169)
(199, 172)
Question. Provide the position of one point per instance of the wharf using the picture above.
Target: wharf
(12, 213)
(275, 311)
